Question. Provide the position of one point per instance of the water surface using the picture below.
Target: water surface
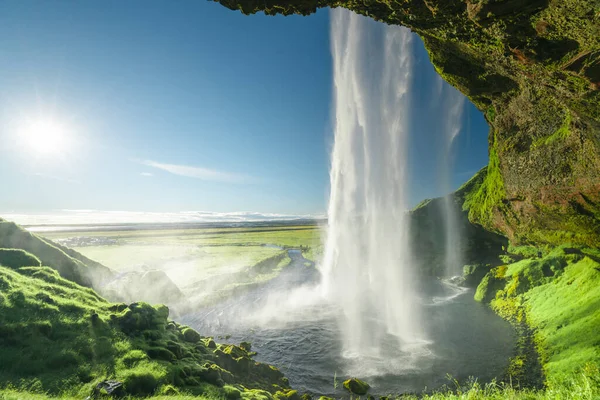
(293, 328)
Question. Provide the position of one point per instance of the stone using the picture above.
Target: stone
(356, 386)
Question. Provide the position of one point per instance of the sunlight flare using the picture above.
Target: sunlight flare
(45, 137)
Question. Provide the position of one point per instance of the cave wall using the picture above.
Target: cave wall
(533, 68)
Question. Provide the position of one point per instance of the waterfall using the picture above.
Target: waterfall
(452, 103)
(367, 268)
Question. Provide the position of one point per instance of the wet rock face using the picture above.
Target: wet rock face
(533, 68)
(475, 245)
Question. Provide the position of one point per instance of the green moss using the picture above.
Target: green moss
(70, 267)
(191, 335)
(566, 314)
(487, 199)
(356, 386)
(558, 297)
(62, 339)
(561, 134)
(486, 290)
(16, 258)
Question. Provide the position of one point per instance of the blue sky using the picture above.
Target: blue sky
(180, 107)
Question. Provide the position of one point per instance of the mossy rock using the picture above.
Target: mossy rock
(160, 353)
(473, 274)
(139, 317)
(287, 395)
(190, 335)
(246, 346)
(490, 284)
(233, 350)
(356, 386)
(140, 384)
(232, 393)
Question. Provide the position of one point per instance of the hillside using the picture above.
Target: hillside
(60, 338)
(151, 286)
(68, 263)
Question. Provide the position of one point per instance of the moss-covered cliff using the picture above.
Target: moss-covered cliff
(533, 68)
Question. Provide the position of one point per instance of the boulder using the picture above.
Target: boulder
(473, 274)
(356, 386)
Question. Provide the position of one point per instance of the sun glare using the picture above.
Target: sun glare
(45, 137)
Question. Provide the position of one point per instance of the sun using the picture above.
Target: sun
(45, 137)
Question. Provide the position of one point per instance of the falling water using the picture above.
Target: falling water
(452, 103)
(367, 264)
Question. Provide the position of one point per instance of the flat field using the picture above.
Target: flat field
(201, 262)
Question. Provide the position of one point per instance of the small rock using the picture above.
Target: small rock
(356, 386)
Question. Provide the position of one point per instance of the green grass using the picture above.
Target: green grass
(71, 266)
(16, 258)
(206, 264)
(558, 297)
(584, 385)
(60, 338)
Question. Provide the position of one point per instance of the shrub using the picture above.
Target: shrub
(141, 383)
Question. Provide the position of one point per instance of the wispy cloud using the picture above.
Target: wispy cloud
(205, 174)
(147, 174)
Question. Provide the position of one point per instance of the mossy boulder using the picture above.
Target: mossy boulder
(356, 386)
(490, 284)
(473, 274)
(190, 335)
(287, 395)
(139, 317)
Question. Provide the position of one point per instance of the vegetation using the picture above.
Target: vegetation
(15, 258)
(486, 201)
(356, 386)
(207, 265)
(72, 267)
(558, 297)
(60, 338)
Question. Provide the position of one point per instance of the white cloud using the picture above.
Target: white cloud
(205, 174)
(89, 218)
(147, 174)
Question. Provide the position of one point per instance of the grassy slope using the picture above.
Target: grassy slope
(558, 297)
(60, 338)
(70, 266)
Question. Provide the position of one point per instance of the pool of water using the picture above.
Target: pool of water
(291, 326)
